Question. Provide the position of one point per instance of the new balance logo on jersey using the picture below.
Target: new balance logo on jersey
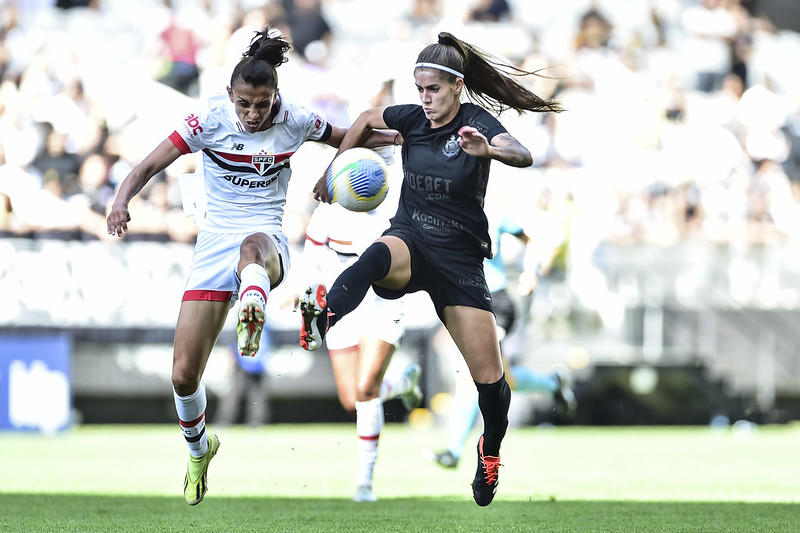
(237, 146)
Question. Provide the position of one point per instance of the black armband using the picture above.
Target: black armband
(327, 134)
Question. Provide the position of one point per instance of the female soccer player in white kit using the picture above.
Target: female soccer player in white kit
(247, 138)
(362, 344)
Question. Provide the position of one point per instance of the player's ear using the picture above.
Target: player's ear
(230, 93)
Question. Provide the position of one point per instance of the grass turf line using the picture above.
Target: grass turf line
(300, 478)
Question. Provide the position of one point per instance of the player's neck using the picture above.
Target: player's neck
(447, 119)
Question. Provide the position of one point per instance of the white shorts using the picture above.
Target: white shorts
(374, 317)
(212, 274)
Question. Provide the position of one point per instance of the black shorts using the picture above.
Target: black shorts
(505, 310)
(449, 277)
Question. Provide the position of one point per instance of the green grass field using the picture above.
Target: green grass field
(299, 478)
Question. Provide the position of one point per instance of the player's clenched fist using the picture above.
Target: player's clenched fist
(118, 219)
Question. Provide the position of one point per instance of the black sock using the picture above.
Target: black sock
(493, 400)
(352, 285)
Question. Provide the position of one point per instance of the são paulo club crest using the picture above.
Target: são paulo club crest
(262, 162)
(451, 147)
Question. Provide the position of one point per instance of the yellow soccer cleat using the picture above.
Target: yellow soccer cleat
(195, 484)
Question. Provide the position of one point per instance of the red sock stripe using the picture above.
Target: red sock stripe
(315, 242)
(192, 423)
(256, 288)
(369, 437)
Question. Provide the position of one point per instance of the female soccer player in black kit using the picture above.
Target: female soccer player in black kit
(439, 236)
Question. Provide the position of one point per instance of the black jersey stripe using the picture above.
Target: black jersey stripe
(222, 163)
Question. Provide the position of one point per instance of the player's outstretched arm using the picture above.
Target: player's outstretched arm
(363, 131)
(159, 159)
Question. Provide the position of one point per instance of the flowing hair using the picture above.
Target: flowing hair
(489, 81)
(266, 52)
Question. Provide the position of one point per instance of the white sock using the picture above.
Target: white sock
(369, 422)
(255, 284)
(192, 417)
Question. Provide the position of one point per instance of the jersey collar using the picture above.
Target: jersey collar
(283, 111)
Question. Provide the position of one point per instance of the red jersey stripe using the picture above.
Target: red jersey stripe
(248, 158)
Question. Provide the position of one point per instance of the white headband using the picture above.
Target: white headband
(440, 67)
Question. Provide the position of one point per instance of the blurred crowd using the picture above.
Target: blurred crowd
(682, 117)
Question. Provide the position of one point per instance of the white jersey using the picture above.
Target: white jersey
(246, 174)
(345, 232)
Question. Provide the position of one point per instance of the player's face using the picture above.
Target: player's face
(439, 96)
(253, 105)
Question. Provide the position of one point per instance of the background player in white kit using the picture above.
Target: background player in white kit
(362, 344)
(247, 138)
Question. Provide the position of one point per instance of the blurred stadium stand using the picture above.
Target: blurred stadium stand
(709, 353)
(674, 175)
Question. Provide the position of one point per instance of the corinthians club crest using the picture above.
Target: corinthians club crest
(451, 147)
(262, 162)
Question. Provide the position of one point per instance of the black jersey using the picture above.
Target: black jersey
(441, 199)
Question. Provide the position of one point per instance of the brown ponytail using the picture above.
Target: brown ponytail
(488, 80)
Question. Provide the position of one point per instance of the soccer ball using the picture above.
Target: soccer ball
(358, 179)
